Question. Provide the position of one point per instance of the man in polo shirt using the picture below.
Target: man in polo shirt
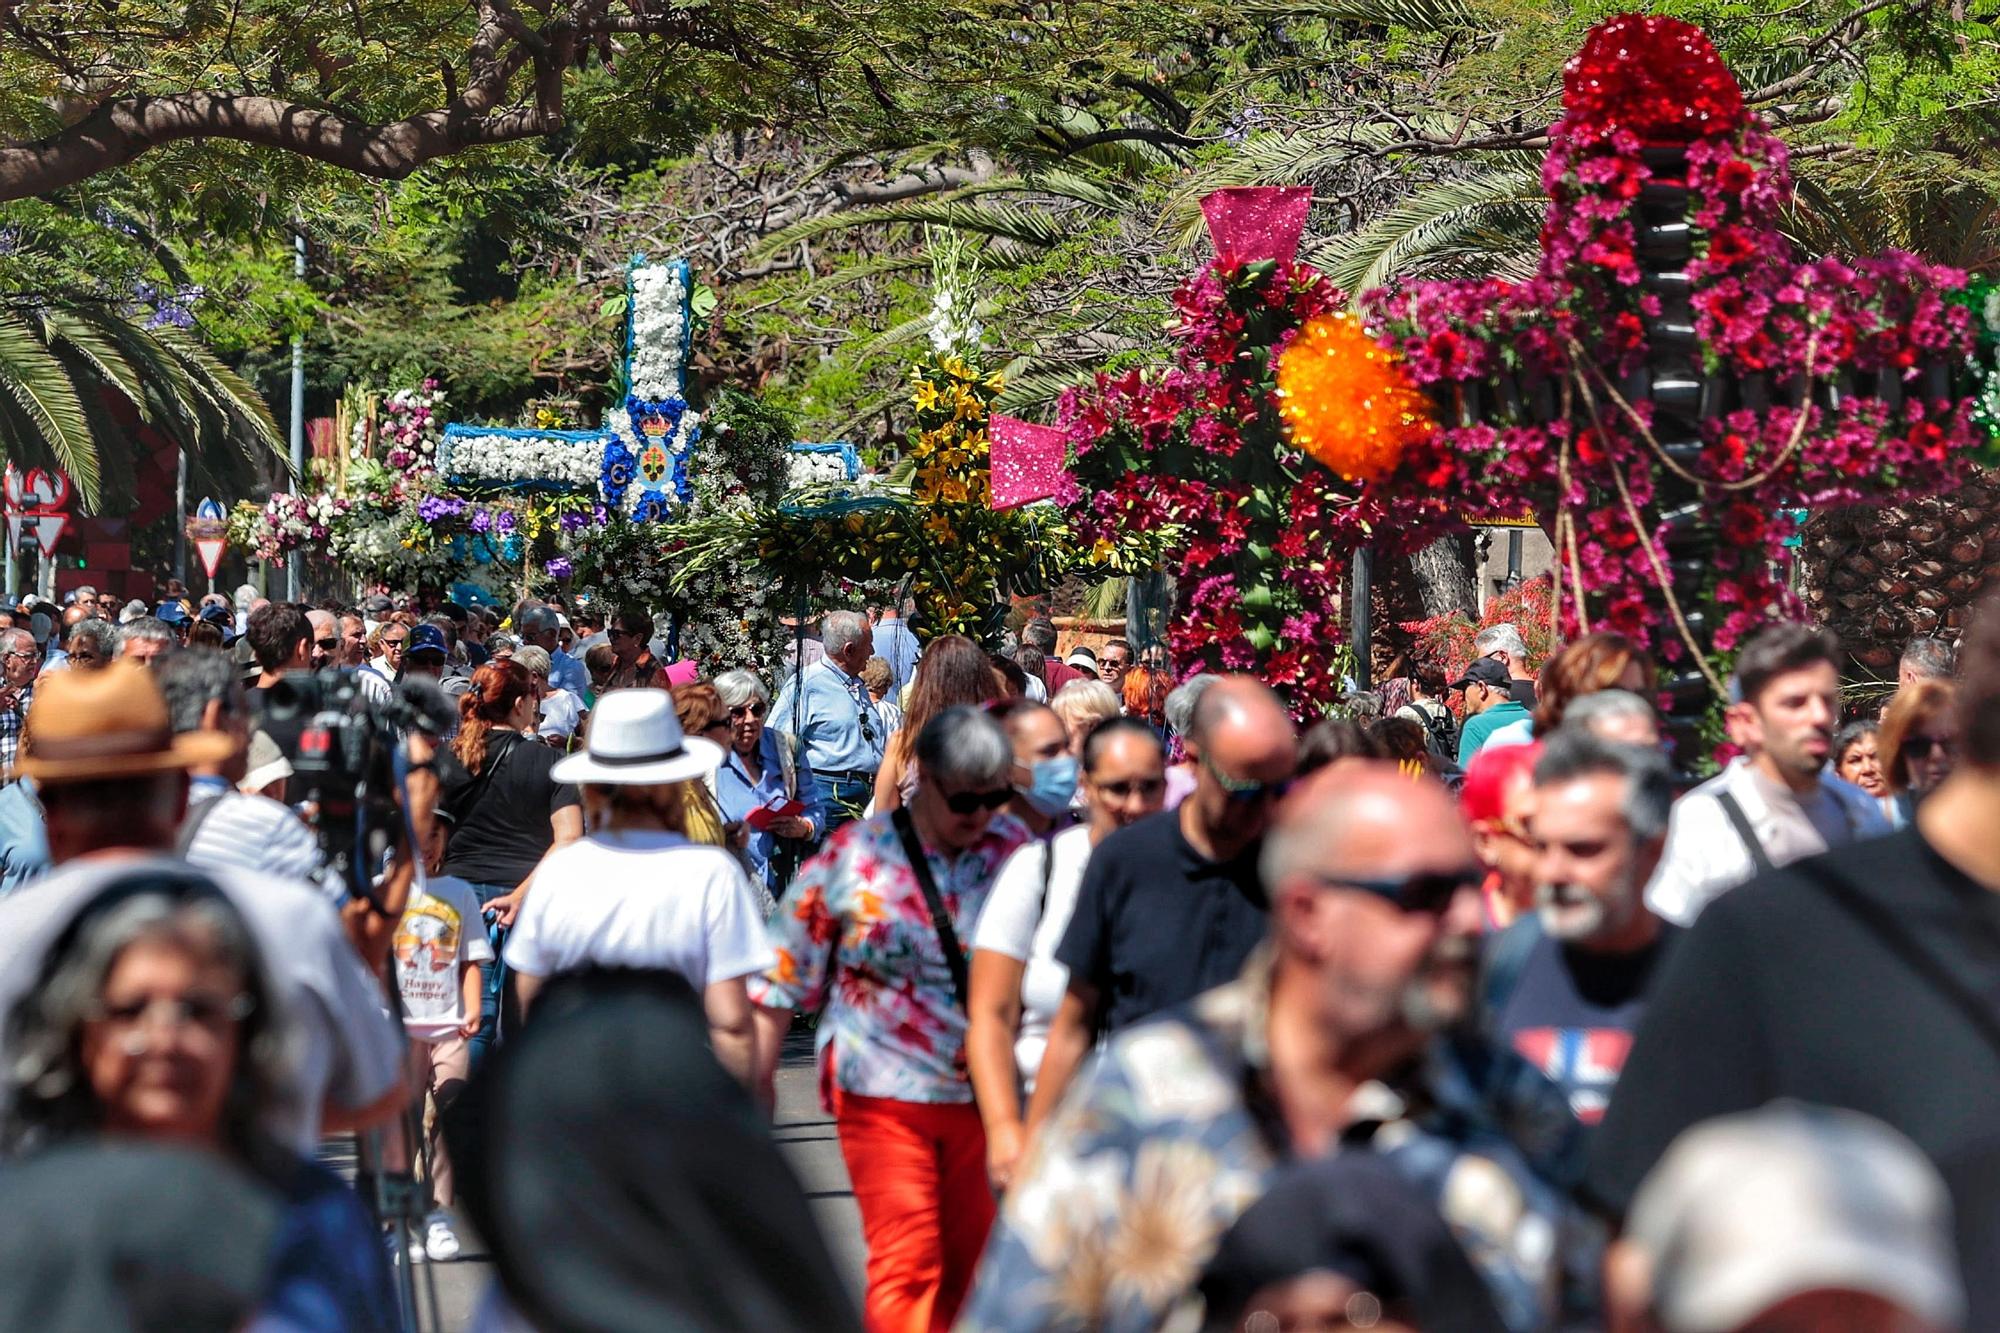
(1489, 706)
(1172, 905)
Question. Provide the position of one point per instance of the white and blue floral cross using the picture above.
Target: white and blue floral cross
(638, 465)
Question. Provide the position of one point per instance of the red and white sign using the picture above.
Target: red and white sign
(34, 506)
(209, 529)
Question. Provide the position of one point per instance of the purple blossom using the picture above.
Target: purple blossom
(482, 521)
(559, 568)
(504, 524)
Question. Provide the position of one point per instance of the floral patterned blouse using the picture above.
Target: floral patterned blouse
(855, 943)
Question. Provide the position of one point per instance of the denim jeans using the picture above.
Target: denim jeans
(493, 1000)
(846, 798)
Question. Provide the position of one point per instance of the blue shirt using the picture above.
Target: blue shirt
(568, 673)
(833, 720)
(24, 839)
(896, 645)
(738, 796)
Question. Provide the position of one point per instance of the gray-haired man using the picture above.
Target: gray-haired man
(1565, 986)
(828, 711)
(1503, 643)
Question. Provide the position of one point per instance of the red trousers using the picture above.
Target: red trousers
(919, 1175)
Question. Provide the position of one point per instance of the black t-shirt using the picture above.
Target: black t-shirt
(1571, 1013)
(284, 731)
(1156, 924)
(503, 815)
(1782, 990)
(1522, 692)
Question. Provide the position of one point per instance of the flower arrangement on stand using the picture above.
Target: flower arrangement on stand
(1203, 459)
(285, 523)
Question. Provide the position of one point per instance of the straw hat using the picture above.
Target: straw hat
(90, 725)
(636, 739)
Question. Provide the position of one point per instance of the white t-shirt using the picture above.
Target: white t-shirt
(1016, 922)
(561, 710)
(346, 1048)
(433, 946)
(640, 899)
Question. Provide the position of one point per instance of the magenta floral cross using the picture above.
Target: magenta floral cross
(1673, 377)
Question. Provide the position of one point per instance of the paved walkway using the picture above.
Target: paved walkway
(804, 1131)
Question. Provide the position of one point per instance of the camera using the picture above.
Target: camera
(344, 770)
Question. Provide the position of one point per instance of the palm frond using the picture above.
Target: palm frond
(47, 403)
(1425, 16)
(1502, 206)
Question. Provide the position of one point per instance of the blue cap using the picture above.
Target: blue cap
(426, 639)
(173, 613)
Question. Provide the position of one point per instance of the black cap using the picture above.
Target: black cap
(1485, 671)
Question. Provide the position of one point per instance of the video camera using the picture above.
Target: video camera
(344, 769)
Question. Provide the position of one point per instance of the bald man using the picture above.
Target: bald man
(1332, 1038)
(1171, 906)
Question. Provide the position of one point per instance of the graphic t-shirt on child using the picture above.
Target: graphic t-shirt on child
(432, 947)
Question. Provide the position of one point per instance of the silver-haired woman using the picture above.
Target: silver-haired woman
(151, 1019)
(872, 936)
(763, 771)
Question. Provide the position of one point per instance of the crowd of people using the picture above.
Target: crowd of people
(1135, 1003)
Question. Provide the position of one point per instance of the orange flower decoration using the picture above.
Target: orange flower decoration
(1347, 402)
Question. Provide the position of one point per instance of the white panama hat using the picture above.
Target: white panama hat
(636, 739)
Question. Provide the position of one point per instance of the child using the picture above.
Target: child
(439, 947)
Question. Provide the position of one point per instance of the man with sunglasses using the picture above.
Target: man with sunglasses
(827, 710)
(1778, 803)
(20, 661)
(1172, 905)
(1566, 985)
(1338, 1035)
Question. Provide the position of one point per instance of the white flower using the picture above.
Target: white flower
(503, 459)
(659, 323)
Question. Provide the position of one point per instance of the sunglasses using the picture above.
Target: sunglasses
(742, 711)
(1429, 892)
(971, 802)
(394, 643)
(1246, 791)
(328, 644)
(1930, 745)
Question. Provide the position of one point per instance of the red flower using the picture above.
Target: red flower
(1729, 247)
(1735, 176)
(1448, 348)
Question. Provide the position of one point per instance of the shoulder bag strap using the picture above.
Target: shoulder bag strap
(920, 866)
(191, 826)
(1741, 823)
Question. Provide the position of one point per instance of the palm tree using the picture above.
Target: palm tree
(61, 365)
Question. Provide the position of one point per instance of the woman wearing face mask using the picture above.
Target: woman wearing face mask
(1045, 771)
(1016, 983)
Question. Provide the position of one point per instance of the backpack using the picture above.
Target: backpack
(1440, 731)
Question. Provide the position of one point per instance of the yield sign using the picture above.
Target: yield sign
(45, 528)
(210, 530)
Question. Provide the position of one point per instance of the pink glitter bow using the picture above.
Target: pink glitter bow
(1252, 223)
(1027, 461)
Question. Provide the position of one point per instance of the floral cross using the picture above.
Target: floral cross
(1674, 378)
(638, 464)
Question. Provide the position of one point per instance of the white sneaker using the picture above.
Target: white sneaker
(413, 1249)
(440, 1241)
